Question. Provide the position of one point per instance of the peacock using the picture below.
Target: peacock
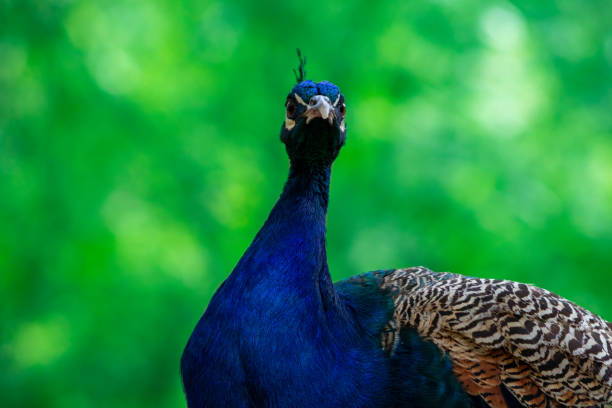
(279, 333)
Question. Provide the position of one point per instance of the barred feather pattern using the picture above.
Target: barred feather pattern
(546, 350)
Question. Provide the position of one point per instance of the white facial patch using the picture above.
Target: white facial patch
(337, 100)
(342, 127)
(289, 123)
(299, 99)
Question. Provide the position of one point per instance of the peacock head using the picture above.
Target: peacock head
(314, 129)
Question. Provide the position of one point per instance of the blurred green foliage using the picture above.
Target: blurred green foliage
(139, 155)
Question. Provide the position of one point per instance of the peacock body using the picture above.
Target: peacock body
(279, 333)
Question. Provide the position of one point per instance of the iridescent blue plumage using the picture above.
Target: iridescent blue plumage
(307, 89)
(278, 333)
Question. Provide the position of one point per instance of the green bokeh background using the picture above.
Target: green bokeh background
(139, 155)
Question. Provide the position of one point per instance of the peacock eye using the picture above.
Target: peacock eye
(342, 109)
(290, 108)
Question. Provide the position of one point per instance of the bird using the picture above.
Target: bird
(279, 333)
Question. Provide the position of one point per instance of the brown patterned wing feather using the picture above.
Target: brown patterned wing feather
(544, 349)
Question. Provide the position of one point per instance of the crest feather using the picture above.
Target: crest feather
(300, 74)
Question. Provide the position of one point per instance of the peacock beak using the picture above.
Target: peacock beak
(320, 106)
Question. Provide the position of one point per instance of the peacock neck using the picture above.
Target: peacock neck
(296, 224)
(288, 256)
(308, 184)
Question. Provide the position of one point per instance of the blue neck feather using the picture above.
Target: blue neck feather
(277, 326)
(288, 255)
(278, 334)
